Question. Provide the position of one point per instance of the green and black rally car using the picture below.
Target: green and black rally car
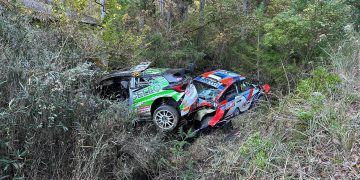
(161, 94)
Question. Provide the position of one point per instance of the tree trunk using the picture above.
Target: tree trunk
(182, 7)
(103, 10)
(202, 21)
(162, 7)
(246, 6)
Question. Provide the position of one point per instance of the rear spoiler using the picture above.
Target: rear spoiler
(141, 67)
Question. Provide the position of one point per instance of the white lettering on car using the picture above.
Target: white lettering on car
(147, 91)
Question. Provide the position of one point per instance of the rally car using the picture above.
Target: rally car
(163, 95)
(223, 95)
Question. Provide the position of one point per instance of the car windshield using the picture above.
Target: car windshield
(206, 91)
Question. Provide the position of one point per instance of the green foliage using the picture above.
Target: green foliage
(315, 90)
(256, 149)
(162, 51)
(189, 173)
(53, 127)
(47, 95)
(320, 81)
(178, 146)
(124, 43)
(305, 116)
(287, 30)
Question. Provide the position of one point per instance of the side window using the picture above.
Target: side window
(242, 86)
(229, 93)
(141, 82)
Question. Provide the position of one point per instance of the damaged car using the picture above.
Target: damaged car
(161, 94)
(223, 95)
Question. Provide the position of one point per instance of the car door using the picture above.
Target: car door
(245, 91)
(139, 87)
(228, 100)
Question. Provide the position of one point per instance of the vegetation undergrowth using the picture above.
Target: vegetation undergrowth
(52, 126)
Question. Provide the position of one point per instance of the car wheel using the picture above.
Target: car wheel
(166, 117)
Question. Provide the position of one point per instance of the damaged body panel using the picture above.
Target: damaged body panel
(224, 95)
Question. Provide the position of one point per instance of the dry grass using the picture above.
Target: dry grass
(52, 127)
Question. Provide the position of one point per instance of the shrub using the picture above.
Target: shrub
(320, 81)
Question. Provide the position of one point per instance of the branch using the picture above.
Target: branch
(98, 3)
(207, 23)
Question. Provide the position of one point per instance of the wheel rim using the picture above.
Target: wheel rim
(165, 119)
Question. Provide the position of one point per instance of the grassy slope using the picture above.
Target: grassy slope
(52, 127)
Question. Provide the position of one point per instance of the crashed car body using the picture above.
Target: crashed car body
(165, 95)
(223, 95)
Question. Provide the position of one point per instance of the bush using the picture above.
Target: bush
(49, 117)
(321, 81)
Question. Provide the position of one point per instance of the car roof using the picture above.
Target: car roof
(171, 75)
(219, 78)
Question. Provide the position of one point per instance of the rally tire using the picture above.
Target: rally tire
(166, 118)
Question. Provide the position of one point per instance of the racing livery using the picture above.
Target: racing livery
(222, 95)
(165, 95)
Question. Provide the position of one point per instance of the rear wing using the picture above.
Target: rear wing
(141, 67)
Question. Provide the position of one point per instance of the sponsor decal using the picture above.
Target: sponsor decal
(214, 77)
(230, 105)
(147, 91)
(227, 81)
(136, 74)
(143, 109)
(209, 82)
(207, 74)
(226, 73)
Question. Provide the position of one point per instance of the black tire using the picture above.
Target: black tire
(166, 118)
(228, 127)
